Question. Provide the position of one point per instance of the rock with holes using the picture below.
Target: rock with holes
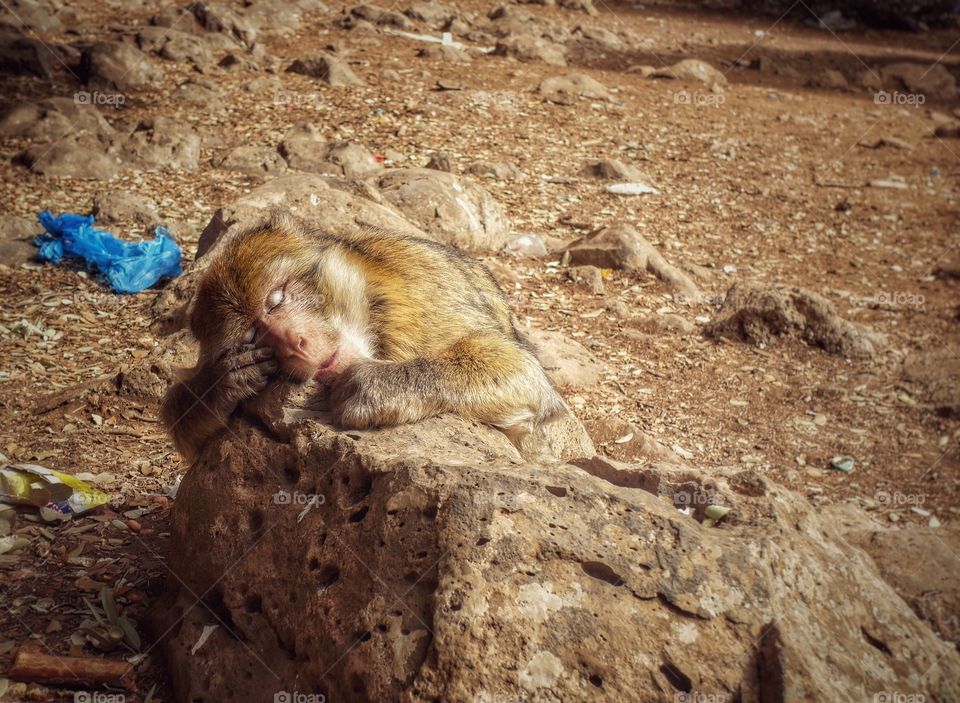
(448, 209)
(759, 314)
(929, 580)
(432, 562)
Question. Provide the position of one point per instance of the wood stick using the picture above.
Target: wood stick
(92, 671)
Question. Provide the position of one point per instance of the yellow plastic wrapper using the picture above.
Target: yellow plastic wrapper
(32, 484)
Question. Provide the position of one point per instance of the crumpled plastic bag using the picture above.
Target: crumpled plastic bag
(129, 267)
(32, 484)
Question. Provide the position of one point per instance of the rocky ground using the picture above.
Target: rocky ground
(813, 168)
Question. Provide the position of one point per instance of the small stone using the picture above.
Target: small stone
(842, 463)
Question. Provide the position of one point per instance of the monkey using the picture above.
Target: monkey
(397, 328)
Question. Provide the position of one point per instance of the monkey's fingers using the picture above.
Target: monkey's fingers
(248, 355)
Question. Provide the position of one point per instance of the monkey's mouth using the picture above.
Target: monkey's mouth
(327, 366)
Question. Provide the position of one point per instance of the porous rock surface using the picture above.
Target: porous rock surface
(439, 565)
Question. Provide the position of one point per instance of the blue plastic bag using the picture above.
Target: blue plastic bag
(129, 267)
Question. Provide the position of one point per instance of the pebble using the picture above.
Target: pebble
(842, 463)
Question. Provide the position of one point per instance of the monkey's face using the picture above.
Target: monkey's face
(276, 289)
(292, 322)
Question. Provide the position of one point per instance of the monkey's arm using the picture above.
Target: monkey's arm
(196, 408)
(484, 376)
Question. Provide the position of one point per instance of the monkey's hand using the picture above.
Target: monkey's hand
(378, 394)
(236, 375)
(195, 409)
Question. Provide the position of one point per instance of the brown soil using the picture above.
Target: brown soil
(766, 185)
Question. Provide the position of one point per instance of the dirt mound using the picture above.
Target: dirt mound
(761, 314)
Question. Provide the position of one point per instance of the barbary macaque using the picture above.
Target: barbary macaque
(398, 328)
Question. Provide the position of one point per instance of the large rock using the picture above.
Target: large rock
(328, 68)
(117, 66)
(40, 15)
(175, 45)
(74, 156)
(253, 160)
(25, 56)
(305, 150)
(447, 208)
(120, 207)
(163, 143)
(934, 82)
(622, 247)
(937, 373)
(16, 240)
(51, 119)
(564, 90)
(513, 21)
(929, 580)
(760, 314)
(432, 563)
(567, 362)
(526, 47)
(222, 19)
(692, 70)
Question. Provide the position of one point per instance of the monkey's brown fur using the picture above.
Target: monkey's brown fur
(402, 328)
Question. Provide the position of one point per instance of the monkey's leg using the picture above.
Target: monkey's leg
(485, 376)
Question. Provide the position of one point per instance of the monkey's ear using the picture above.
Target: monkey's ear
(284, 221)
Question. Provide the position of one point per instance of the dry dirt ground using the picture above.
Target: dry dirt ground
(763, 183)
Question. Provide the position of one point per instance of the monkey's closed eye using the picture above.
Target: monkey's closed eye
(276, 298)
